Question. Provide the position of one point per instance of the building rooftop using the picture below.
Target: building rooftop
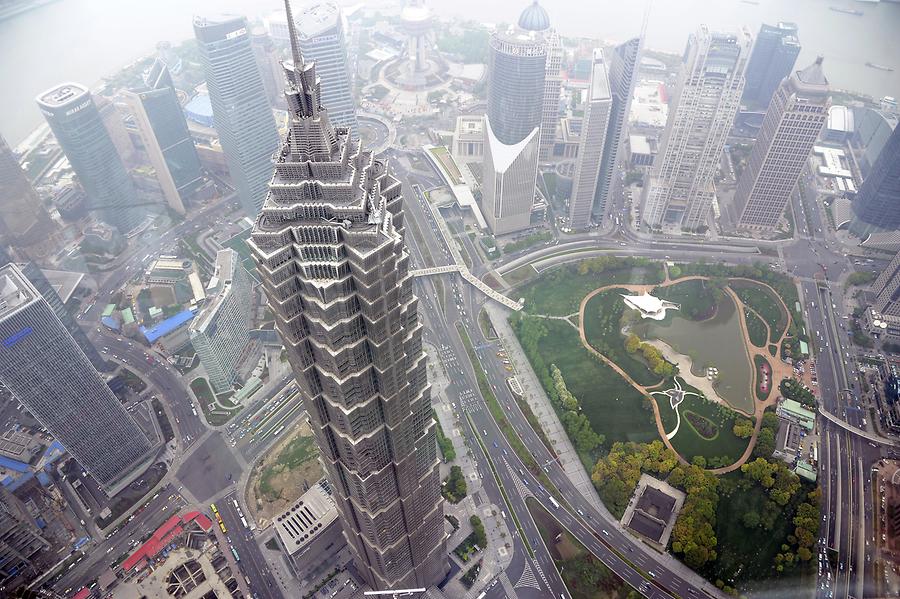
(646, 525)
(298, 525)
(15, 292)
(317, 19)
(534, 18)
(167, 326)
(656, 503)
(840, 118)
(62, 95)
(649, 306)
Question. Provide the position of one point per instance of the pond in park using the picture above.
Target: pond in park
(716, 342)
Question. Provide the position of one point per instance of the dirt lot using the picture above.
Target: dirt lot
(284, 474)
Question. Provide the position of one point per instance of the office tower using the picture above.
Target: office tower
(772, 59)
(517, 94)
(221, 332)
(535, 18)
(328, 245)
(320, 32)
(622, 68)
(34, 275)
(20, 542)
(887, 289)
(241, 112)
(76, 122)
(164, 134)
(268, 62)
(44, 369)
(877, 204)
(510, 174)
(594, 125)
(792, 124)
(23, 219)
(681, 190)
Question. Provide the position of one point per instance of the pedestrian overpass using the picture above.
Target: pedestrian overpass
(470, 278)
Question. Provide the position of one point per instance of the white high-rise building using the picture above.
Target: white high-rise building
(43, 367)
(320, 30)
(797, 112)
(708, 96)
(510, 174)
(221, 332)
(552, 83)
(594, 127)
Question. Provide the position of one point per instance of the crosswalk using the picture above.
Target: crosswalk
(469, 401)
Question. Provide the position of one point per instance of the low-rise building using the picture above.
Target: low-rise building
(794, 412)
(309, 531)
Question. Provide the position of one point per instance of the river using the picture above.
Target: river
(84, 40)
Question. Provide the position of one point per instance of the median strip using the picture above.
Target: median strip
(496, 476)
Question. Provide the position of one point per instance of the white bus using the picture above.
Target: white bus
(554, 503)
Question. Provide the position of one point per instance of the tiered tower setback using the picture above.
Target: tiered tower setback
(328, 244)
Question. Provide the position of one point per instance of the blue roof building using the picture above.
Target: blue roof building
(167, 326)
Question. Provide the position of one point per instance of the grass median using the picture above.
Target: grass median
(496, 476)
(502, 422)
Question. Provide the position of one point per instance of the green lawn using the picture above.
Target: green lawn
(602, 324)
(215, 417)
(558, 292)
(765, 304)
(756, 328)
(615, 408)
(724, 448)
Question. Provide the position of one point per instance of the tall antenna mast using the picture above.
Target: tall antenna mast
(292, 33)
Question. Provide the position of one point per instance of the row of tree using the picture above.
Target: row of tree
(651, 355)
(576, 423)
(454, 488)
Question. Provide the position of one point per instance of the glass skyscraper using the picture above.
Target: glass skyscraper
(320, 32)
(76, 122)
(772, 59)
(241, 112)
(43, 367)
(164, 132)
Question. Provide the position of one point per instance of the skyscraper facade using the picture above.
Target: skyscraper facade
(711, 81)
(269, 64)
(877, 204)
(622, 68)
(78, 127)
(221, 331)
(34, 275)
(591, 145)
(44, 368)
(23, 218)
(792, 124)
(510, 174)
(516, 108)
(320, 31)
(535, 18)
(164, 134)
(887, 290)
(774, 53)
(241, 112)
(329, 248)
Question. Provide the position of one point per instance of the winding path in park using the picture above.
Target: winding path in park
(779, 369)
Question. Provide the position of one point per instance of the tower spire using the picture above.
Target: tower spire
(292, 33)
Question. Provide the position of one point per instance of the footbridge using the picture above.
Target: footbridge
(470, 278)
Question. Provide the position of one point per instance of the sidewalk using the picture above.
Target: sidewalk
(498, 554)
(540, 404)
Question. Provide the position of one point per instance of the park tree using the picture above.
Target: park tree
(750, 519)
(743, 428)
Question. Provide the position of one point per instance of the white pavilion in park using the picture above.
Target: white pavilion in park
(649, 306)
